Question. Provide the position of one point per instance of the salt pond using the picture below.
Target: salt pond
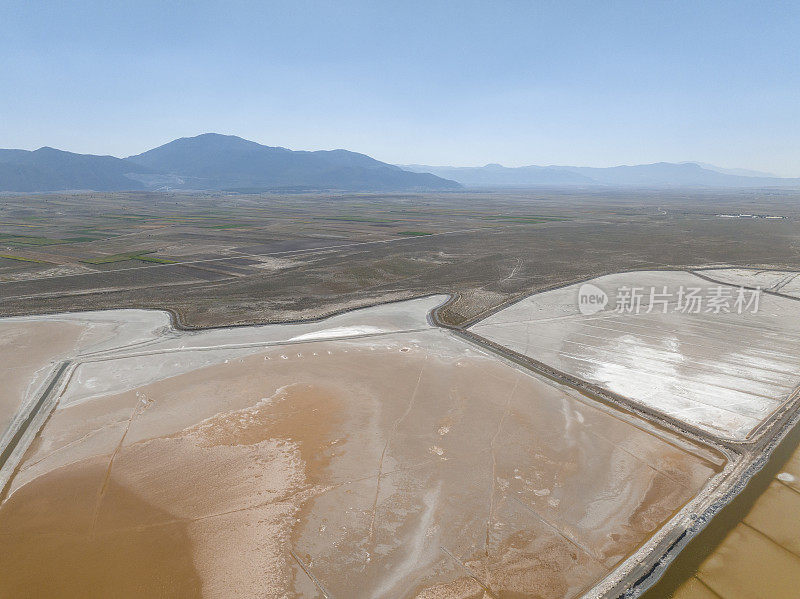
(723, 372)
(369, 455)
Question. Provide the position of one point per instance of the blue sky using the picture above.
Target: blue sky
(465, 83)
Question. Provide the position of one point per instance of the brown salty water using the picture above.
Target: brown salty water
(750, 549)
(52, 546)
(404, 466)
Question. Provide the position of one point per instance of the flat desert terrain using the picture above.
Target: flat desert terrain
(784, 282)
(230, 258)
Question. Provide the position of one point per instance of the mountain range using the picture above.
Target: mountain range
(225, 162)
(660, 174)
(209, 162)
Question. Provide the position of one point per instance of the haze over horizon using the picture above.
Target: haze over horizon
(461, 84)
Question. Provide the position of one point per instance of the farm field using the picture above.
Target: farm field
(226, 258)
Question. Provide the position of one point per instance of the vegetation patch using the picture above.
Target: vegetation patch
(357, 219)
(80, 239)
(126, 256)
(154, 259)
(21, 259)
(4, 224)
(230, 226)
(28, 240)
(524, 218)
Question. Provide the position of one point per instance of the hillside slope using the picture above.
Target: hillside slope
(213, 161)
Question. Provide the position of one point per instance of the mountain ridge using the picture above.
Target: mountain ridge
(216, 162)
(209, 162)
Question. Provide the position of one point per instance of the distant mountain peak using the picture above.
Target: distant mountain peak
(215, 161)
(209, 161)
(211, 140)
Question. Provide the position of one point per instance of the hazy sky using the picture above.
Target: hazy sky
(466, 83)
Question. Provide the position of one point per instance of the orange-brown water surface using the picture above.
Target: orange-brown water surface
(751, 550)
(404, 465)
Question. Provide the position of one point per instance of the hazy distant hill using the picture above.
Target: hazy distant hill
(48, 169)
(225, 162)
(667, 174)
(660, 174)
(213, 161)
(495, 175)
(208, 162)
(745, 172)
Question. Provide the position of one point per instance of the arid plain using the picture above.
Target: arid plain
(465, 444)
